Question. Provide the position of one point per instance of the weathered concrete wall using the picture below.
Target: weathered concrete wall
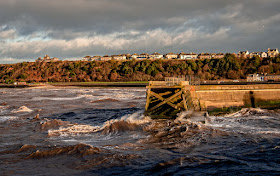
(239, 87)
(211, 97)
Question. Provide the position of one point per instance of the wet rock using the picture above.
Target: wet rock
(37, 117)
(161, 134)
(26, 147)
(79, 150)
(4, 104)
(119, 126)
(169, 134)
(53, 124)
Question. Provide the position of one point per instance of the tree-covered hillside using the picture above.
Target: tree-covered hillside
(82, 71)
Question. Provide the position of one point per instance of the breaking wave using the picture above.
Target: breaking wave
(247, 120)
(126, 123)
(73, 130)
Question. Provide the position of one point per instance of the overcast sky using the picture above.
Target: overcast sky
(72, 29)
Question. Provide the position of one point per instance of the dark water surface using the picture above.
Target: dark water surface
(102, 131)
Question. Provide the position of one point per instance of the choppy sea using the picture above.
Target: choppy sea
(102, 131)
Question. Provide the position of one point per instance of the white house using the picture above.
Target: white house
(243, 53)
(170, 56)
(119, 57)
(156, 56)
(134, 56)
(187, 56)
(105, 58)
(143, 56)
(263, 54)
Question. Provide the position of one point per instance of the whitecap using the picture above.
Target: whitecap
(73, 130)
(21, 109)
(57, 98)
(137, 118)
(247, 112)
(7, 118)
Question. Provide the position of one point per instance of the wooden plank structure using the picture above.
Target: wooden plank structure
(165, 99)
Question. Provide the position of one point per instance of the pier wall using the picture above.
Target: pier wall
(221, 96)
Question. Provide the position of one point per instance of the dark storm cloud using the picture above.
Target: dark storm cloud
(74, 28)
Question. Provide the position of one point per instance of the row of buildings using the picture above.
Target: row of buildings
(262, 77)
(245, 54)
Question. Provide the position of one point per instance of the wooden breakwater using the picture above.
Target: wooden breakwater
(165, 99)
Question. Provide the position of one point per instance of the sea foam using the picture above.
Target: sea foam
(21, 109)
(7, 118)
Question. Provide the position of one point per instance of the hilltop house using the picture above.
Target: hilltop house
(95, 58)
(156, 56)
(134, 56)
(106, 58)
(187, 56)
(39, 59)
(205, 56)
(243, 54)
(263, 54)
(260, 54)
(170, 56)
(86, 58)
(272, 52)
(143, 56)
(218, 55)
(47, 59)
(251, 55)
(119, 57)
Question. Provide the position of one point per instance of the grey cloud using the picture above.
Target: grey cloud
(74, 28)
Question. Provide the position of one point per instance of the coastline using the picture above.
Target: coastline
(78, 84)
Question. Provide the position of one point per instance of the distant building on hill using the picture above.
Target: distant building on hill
(47, 59)
(272, 52)
(262, 77)
(119, 57)
(95, 58)
(170, 56)
(205, 56)
(243, 54)
(187, 55)
(89, 58)
(106, 58)
(143, 56)
(218, 55)
(86, 58)
(263, 54)
(134, 56)
(156, 56)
